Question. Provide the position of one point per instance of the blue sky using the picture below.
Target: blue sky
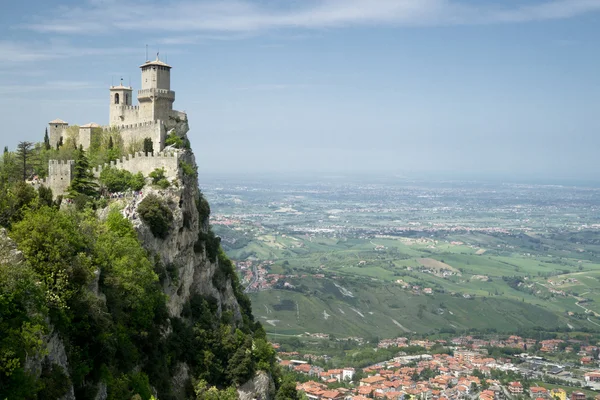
(472, 88)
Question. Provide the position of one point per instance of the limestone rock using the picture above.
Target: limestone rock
(259, 388)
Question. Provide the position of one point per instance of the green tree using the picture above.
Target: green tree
(148, 146)
(83, 180)
(159, 178)
(24, 153)
(55, 248)
(287, 390)
(22, 327)
(174, 140)
(47, 140)
(157, 215)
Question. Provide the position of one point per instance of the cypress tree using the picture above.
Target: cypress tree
(83, 180)
(46, 140)
(148, 146)
(110, 143)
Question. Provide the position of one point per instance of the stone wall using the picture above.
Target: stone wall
(145, 163)
(133, 133)
(60, 174)
(124, 114)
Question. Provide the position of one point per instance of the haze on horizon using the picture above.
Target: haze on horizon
(403, 86)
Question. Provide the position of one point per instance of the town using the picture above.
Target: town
(458, 368)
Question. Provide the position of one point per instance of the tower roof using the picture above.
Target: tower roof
(155, 62)
(121, 87)
(90, 125)
(58, 121)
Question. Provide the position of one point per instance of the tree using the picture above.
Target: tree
(287, 390)
(24, 150)
(148, 145)
(174, 140)
(157, 215)
(46, 141)
(111, 144)
(204, 392)
(83, 180)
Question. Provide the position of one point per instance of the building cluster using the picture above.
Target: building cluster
(151, 120)
(466, 374)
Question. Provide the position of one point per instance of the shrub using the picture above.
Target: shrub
(174, 140)
(115, 180)
(159, 178)
(188, 169)
(203, 207)
(156, 215)
(137, 182)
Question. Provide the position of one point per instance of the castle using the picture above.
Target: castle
(149, 119)
(153, 118)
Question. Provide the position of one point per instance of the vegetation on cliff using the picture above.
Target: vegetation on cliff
(90, 282)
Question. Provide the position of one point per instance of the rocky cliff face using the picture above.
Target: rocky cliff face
(192, 271)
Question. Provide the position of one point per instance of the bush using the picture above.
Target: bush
(156, 215)
(203, 207)
(137, 182)
(188, 169)
(117, 180)
(159, 178)
(174, 140)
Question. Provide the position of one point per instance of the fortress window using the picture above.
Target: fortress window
(116, 98)
(126, 98)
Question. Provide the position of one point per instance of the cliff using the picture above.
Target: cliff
(133, 299)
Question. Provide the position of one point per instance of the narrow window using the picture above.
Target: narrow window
(116, 98)
(126, 98)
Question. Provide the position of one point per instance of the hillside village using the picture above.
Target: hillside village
(469, 372)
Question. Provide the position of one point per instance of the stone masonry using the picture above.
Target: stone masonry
(152, 118)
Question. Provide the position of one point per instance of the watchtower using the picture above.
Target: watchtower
(56, 131)
(120, 103)
(156, 97)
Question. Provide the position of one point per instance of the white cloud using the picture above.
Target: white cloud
(14, 52)
(235, 16)
(47, 86)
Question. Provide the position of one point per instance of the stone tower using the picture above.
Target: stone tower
(60, 174)
(120, 103)
(56, 131)
(156, 97)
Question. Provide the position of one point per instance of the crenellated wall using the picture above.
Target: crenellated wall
(145, 163)
(137, 132)
(60, 174)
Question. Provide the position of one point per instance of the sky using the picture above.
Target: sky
(500, 88)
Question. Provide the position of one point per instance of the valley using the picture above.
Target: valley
(386, 257)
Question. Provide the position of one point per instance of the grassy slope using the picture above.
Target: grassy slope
(370, 275)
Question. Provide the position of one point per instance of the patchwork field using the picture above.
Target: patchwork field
(420, 259)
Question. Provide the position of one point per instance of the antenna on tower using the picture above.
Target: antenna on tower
(147, 53)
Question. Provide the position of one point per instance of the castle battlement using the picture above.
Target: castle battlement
(144, 163)
(150, 119)
(146, 92)
(140, 125)
(61, 162)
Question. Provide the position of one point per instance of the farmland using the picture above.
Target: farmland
(351, 258)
